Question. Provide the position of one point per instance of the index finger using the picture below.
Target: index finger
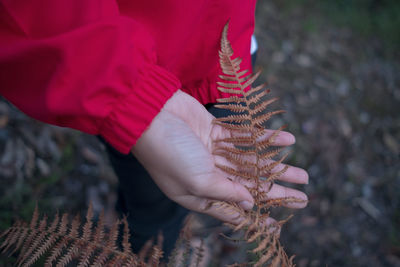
(278, 137)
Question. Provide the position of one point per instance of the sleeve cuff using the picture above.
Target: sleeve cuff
(132, 113)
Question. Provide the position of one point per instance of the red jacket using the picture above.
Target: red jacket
(107, 67)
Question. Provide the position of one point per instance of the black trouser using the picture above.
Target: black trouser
(148, 210)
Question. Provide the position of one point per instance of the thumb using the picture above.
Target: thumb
(226, 190)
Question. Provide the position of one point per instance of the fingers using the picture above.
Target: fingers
(224, 213)
(230, 216)
(279, 192)
(291, 175)
(206, 206)
(225, 190)
(221, 188)
(282, 139)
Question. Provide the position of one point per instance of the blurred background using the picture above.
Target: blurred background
(336, 67)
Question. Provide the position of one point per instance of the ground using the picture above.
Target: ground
(341, 90)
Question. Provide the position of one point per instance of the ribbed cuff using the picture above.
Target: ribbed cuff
(133, 112)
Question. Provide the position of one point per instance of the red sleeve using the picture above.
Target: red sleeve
(80, 64)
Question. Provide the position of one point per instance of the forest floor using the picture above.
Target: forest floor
(341, 91)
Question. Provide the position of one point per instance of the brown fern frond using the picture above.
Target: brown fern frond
(229, 85)
(18, 232)
(87, 234)
(101, 258)
(273, 176)
(11, 236)
(37, 238)
(251, 79)
(257, 93)
(262, 106)
(255, 235)
(233, 172)
(271, 139)
(62, 242)
(22, 236)
(232, 107)
(266, 155)
(263, 245)
(240, 226)
(157, 252)
(231, 99)
(283, 257)
(112, 236)
(233, 127)
(56, 252)
(234, 159)
(236, 76)
(99, 229)
(229, 208)
(59, 246)
(259, 132)
(145, 250)
(229, 78)
(47, 243)
(74, 229)
(199, 254)
(278, 131)
(267, 169)
(126, 245)
(278, 202)
(3, 234)
(228, 90)
(173, 257)
(73, 246)
(72, 251)
(259, 120)
(235, 118)
(87, 227)
(180, 256)
(84, 260)
(250, 153)
(32, 225)
(150, 254)
(237, 141)
(266, 257)
(35, 217)
(282, 222)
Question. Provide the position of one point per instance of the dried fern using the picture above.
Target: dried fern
(83, 244)
(249, 157)
(61, 243)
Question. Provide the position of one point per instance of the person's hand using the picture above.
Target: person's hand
(176, 150)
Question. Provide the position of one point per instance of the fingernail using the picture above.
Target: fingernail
(246, 205)
(306, 177)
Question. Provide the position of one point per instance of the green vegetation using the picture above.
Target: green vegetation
(370, 18)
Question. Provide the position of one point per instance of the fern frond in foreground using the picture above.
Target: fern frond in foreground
(248, 156)
(62, 242)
